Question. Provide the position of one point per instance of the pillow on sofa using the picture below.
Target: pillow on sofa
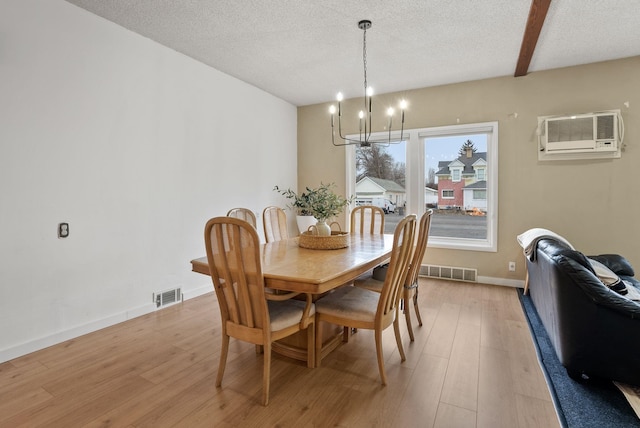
(608, 277)
(616, 263)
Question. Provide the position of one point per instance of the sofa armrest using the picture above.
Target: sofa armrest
(618, 264)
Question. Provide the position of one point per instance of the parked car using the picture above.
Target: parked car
(386, 205)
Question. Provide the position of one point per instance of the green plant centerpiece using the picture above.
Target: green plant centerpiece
(321, 202)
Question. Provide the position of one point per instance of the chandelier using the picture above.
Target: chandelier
(365, 116)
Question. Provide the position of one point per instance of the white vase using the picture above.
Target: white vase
(305, 221)
(322, 228)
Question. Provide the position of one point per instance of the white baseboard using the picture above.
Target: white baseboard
(59, 337)
(198, 291)
(516, 283)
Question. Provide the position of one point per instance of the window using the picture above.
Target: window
(480, 174)
(453, 169)
(479, 194)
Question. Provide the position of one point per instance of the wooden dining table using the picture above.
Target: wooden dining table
(287, 266)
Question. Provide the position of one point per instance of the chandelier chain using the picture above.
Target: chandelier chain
(364, 59)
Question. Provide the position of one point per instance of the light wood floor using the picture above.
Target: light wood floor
(472, 364)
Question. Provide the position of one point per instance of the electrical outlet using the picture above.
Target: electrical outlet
(512, 266)
(63, 230)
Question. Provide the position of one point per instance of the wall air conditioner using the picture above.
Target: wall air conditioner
(580, 136)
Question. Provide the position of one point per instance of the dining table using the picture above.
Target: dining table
(288, 267)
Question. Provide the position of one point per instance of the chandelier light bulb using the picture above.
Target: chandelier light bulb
(390, 111)
(403, 105)
(361, 114)
(332, 109)
(339, 97)
(369, 91)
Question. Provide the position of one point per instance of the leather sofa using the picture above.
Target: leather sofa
(595, 331)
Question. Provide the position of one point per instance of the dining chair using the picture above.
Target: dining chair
(365, 309)
(274, 221)
(248, 312)
(411, 282)
(243, 214)
(367, 219)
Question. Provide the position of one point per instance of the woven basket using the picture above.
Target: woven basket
(314, 242)
(337, 240)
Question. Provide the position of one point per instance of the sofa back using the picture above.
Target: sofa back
(589, 325)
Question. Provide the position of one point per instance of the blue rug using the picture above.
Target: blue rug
(591, 403)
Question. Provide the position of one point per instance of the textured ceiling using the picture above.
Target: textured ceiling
(305, 51)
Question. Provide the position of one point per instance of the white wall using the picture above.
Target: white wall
(133, 144)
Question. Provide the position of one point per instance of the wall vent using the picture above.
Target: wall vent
(167, 298)
(449, 272)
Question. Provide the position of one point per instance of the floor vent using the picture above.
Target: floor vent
(449, 272)
(166, 298)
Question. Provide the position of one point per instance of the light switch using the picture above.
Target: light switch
(63, 230)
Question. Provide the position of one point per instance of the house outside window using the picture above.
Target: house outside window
(458, 181)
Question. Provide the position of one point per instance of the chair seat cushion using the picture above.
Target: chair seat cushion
(350, 302)
(286, 313)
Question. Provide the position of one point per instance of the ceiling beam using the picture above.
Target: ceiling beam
(537, 14)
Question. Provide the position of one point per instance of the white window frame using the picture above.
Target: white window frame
(415, 174)
(453, 195)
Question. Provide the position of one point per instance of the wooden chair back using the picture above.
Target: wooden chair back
(418, 252)
(411, 283)
(233, 252)
(393, 288)
(274, 221)
(243, 214)
(367, 219)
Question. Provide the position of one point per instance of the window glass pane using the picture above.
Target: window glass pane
(380, 180)
(480, 174)
(479, 194)
(455, 166)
